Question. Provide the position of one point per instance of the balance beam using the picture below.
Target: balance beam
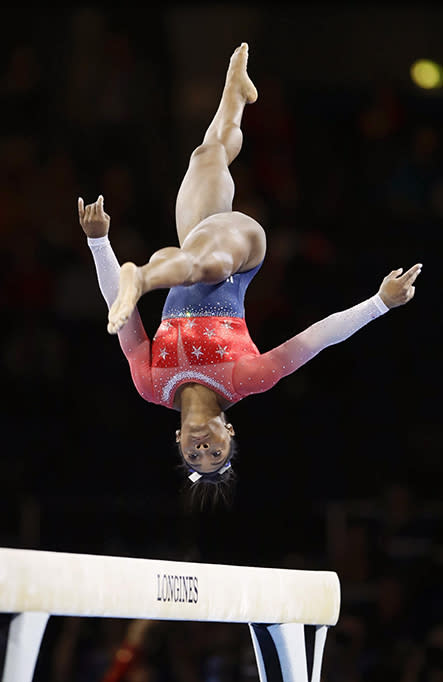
(278, 602)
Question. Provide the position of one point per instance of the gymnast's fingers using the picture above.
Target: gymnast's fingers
(99, 207)
(411, 275)
(81, 208)
(89, 212)
(393, 274)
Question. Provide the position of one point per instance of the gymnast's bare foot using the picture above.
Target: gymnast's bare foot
(237, 74)
(130, 290)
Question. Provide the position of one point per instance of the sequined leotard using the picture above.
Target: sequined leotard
(203, 338)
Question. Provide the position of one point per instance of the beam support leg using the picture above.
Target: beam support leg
(280, 652)
(24, 638)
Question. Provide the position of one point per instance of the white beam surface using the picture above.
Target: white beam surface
(71, 584)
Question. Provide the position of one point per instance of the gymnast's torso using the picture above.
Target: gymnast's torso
(202, 336)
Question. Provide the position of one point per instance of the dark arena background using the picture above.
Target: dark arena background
(340, 465)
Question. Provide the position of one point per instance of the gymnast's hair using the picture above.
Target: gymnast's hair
(212, 489)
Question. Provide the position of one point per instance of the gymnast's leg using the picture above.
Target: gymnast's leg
(208, 187)
(215, 242)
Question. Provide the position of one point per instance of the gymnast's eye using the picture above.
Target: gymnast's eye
(216, 454)
(193, 455)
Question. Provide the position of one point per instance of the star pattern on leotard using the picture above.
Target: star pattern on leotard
(227, 324)
(221, 350)
(163, 353)
(190, 323)
(197, 351)
(208, 332)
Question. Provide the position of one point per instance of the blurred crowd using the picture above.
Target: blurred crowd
(340, 468)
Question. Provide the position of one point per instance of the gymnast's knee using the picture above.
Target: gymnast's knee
(211, 269)
(209, 152)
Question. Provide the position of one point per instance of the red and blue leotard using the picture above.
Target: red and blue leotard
(203, 338)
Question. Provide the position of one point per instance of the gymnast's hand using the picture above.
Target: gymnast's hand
(397, 288)
(94, 221)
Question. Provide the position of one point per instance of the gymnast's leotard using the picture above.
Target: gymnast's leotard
(203, 338)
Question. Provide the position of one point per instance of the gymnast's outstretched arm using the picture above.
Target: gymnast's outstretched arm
(95, 223)
(259, 373)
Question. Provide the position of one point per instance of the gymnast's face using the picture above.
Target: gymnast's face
(205, 446)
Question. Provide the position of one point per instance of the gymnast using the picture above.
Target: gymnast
(202, 359)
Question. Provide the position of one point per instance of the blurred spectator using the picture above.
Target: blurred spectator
(412, 186)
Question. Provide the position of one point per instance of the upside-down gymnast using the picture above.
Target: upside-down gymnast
(202, 359)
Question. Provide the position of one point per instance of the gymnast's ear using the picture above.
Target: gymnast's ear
(230, 428)
(178, 433)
